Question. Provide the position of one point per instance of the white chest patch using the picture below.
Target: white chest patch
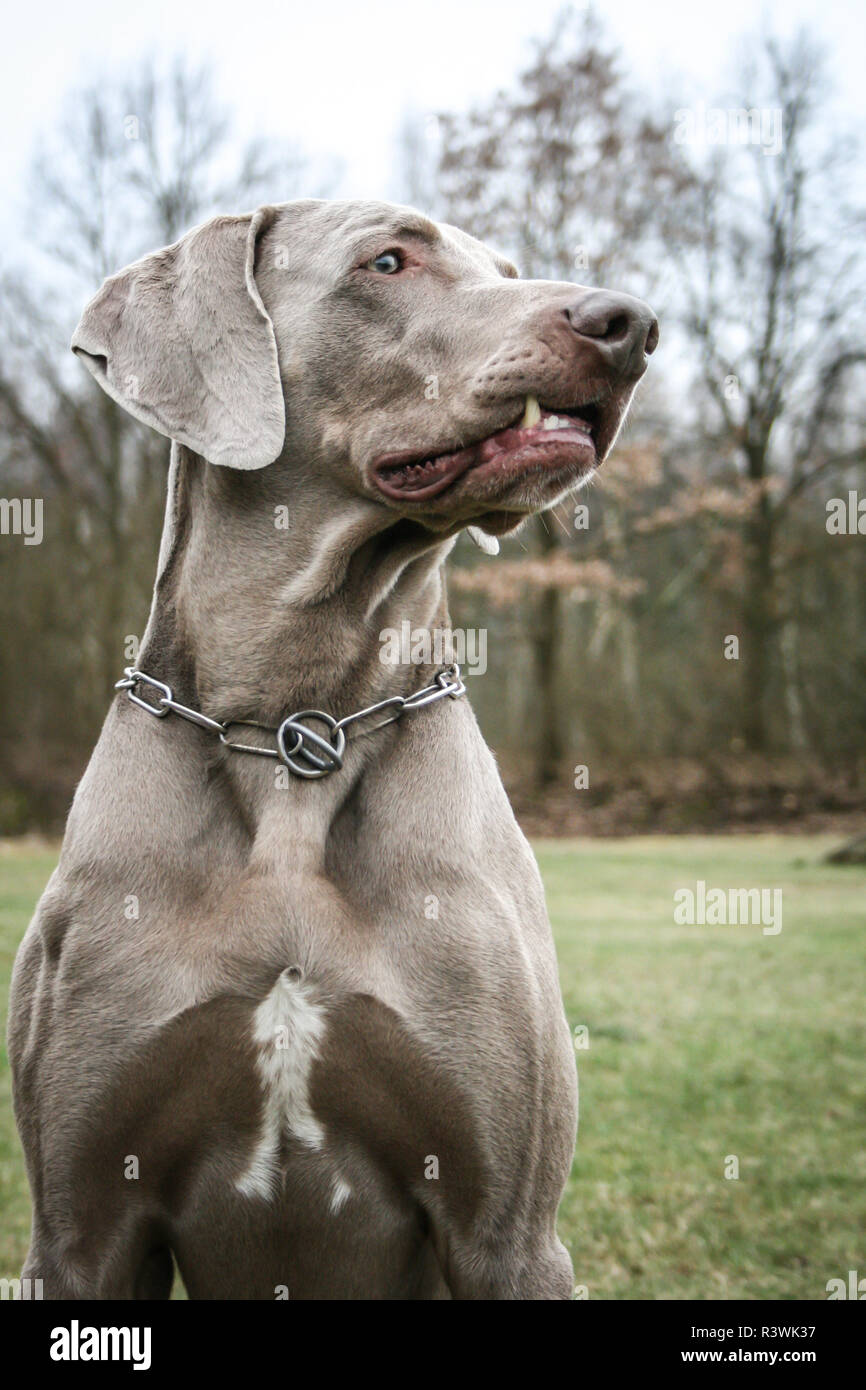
(288, 1026)
(340, 1194)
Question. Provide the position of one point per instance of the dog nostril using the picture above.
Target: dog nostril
(624, 330)
(618, 327)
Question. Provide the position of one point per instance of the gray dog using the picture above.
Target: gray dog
(288, 1011)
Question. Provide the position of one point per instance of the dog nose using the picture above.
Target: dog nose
(623, 330)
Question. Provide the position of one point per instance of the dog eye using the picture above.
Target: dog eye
(387, 264)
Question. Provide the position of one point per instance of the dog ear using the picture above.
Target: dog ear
(182, 340)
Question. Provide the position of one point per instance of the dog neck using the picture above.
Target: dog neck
(259, 607)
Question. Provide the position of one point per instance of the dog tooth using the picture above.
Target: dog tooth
(531, 415)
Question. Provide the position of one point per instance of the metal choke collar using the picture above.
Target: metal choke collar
(304, 752)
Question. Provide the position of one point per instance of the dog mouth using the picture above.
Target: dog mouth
(543, 437)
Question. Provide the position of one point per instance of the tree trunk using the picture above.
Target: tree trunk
(549, 743)
(758, 612)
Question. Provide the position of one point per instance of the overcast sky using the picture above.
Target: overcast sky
(338, 77)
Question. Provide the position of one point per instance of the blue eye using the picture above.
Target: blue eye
(387, 264)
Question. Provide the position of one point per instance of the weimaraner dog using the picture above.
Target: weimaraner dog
(290, 1019)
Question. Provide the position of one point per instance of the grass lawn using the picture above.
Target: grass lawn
(704, 1043)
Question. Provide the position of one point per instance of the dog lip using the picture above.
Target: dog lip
(453, 464)
(460, 461)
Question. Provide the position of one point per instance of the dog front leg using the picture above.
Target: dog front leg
(119, 1270)
(520, 1266)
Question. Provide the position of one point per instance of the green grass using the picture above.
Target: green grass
(24, 871)
(704, 1042)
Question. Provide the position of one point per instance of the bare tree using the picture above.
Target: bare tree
(571, 175)
(773, 308)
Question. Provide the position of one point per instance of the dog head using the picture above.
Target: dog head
(375, 353)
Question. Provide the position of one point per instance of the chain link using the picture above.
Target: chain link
(301, 749)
